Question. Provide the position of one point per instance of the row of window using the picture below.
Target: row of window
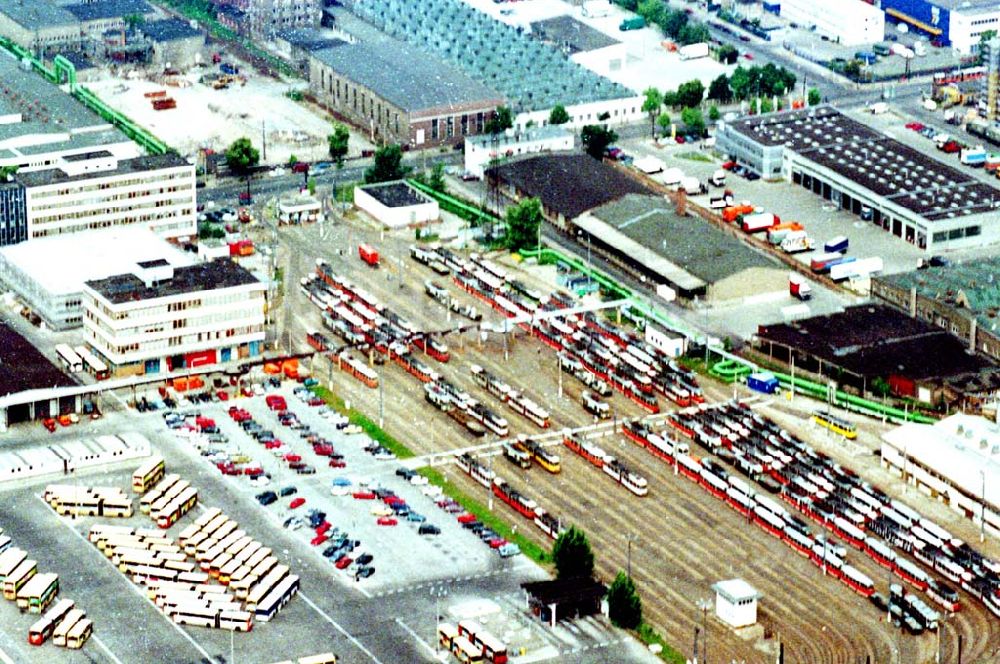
(957, 233)
(124, 197)
(154, 178)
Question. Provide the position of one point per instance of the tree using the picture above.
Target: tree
(814, 97)
(694, 33)
(523, 221)
(670, 98)
(558, 115)
(338, 142)
(764, 105)
(242, 156)
(713, 113)
(133, 21)
(663, 120)
(436, 179)
(654, 11)
(501, 121)
(690, 94)
(673, 22)
(740, 83)
(852, 69)
(719, 90)
(311, 186)
(728, 55)
(881, 387)
(624, 604)
(292, 160)
(693, 120)
(651, 105)
(7, 173)
(388, 165)
(572, 555)
(596, 139)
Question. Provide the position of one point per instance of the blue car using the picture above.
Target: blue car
(340, 481)
(415, 518)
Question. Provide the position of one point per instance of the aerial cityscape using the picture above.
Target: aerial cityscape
(488, 331)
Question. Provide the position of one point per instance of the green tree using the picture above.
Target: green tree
(693, 120)
(739, 83)
(651, 105)
(694, 33)
(572, 555)
(242, 156)
(596, 139)
(764, 105)
(558, 115)
(690, 94)
(673, 22)
(670, 98)
(338, 142)
(311, 186)
(523, 222)
(7, 173)
(436, 179)
(133, 21)
(719, 90)
(880, 387)
(713, 113)
(728, 55)
(630, 5)
(292, 160)
(852, 69)
(653, 11)
(388, 165)
(814, 97)
(501, 121)
(663, 120)
(624, 604)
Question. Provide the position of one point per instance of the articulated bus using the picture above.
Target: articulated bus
(16, 579)
(180, 506)
(36, 595)
(43, 627)
(835, 424)
(153, 495)
(261, 589)
(167, 497)
(141, 574)
(65, 625)
(69, 359)
(117, 507)
(148, 474)
(275, 600)
(79, 634)
(492, 649)
(92, 363)
(9, 560)
(204, 615)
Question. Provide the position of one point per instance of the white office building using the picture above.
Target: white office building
(849, 22)
(481, 151)
(159, 318)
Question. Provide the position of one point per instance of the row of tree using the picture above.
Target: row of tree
(674, 23)
(755, 81)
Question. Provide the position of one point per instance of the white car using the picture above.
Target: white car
(260, 480)
(432, 490)
(418, 480)
(341, 490)
(381, 510)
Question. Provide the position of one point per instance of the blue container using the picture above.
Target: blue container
(763, 382)
(836, 245)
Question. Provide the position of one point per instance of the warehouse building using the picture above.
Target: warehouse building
(396, 204)
(99, 16)
(25, 371)
(532, 76)
(955, 460)
(582, 44)
(298, 45)
(959, 24)
(846, 22)
(868, 342)
(57, 295)
(924, 201)
(645, 236)
(41, 26)
(963, 299)
(158, 318)
(399, 95)
(176, 43)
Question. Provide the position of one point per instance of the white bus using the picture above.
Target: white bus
(275, 600)
(70, 360)
(13, 582)
(36, 595)
(65, 625)
(44, 626)
(261, 589)
(79, 634)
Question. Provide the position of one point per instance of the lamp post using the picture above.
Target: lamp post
(982, 507)
(631, 537)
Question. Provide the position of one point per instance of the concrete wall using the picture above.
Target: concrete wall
(396, 217)
(621, 111)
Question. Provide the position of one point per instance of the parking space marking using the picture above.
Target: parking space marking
(131, 585)
(416, 637)
(340, 629)
(5, 658)
(107, 651)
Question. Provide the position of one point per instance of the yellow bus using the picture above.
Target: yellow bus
(16, 579)
(465, 652)
(277, 598)
(261, 589)
(148, 474)
(323, 658)
(36, 595)
(154, 494)
(835, 424)
(9, 560)
(65, 625)
(180, 506)
(44, 626)
(79, 634)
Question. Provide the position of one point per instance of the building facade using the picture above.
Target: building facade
(13, 214)
(160, 318)
(989, 85)
(41, 26)
(959, 24)
(267, 17)
(847, 22)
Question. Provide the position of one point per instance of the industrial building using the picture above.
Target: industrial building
(40, 125)
(846, 22)
(22, 369)
(56, 295)
(99, 16)
(268, 17)
(583, 44)
(396, 204)
(159, 318)
(644, 235)
(922, 200)
(955, 23)
(98, 190)
(482, 151)
(531, 75)
(955, 460)
(963, 299)
(989, 85)
(41, 26)
(400, 95)
(563, 599)
(868, 342)
(176, 43)
(298, 44)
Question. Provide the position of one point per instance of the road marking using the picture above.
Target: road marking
(131, 585)
(5, 658)
(105, 649)
(417, 638)
(340, 629)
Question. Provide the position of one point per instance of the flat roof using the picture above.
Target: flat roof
(23, 367)
(708, 254)
(972, 285)
(42, 105)
(957, 448)
(570, 35)
(103, 9)
(395, 194)
(568, 184)
(736, 590)
(309, 39)
(213, 275)
(405, 77)
(561, 590)
(170, 29)
(963, 6)
(37, 14)
(870, 159)
(545, 133)
(88, 255)
(877, 340)
(134, 165)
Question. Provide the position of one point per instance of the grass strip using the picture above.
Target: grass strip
(649, 636)
(374, 431)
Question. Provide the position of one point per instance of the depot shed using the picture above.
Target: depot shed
(396, 204)
(736, 602)
(555, 600)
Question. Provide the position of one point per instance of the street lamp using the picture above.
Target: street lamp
(437, 592)
(982, 507)
(704, 605)
(631, 537)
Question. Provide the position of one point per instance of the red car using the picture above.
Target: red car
(323, 450)
(49, 424)
(748, 56)
(322, 528)
(319, 539)
(223, 395)
(293, 458)
(272, 444)
(386, 521)
(679, 139)
(276, 402)
(315, 401)
(915, 126)
(297, 503)
(337, 463)
(729, 165)
(466, 518)
(393, 499)
(497, 542)
(343, 562)
(364, 495)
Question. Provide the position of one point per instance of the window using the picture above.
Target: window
(465, 125)
(434, 128)
(451, 126)
(973, 231)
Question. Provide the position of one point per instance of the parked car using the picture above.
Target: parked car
(288, 491)
(509, 549)
(266, 498)
(296, 503)
(343, 562)
(428, 529)
(364, 572)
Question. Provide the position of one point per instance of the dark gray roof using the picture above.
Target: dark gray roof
(170, 29)
(405, 77)
(309, 39)
(101, 9)
(570, 35)
(22, 367)
(214, 275)
(134, 165)
(37, 14)
(395, 194)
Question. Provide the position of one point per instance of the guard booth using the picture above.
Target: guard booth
(553, 601)
(736, 602)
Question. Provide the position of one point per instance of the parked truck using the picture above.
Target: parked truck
(734, 212)
(836, 245)
(718, 178)
(865, 267)
(825, 262)
(721, 202)
(975, 157)
(693, 186)
(754, 223)
(776, 234)
(798, 286)
(763, 381)
(693, 51)
(672, 176)
(368, 254)
(797, 242)
(634, 23)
